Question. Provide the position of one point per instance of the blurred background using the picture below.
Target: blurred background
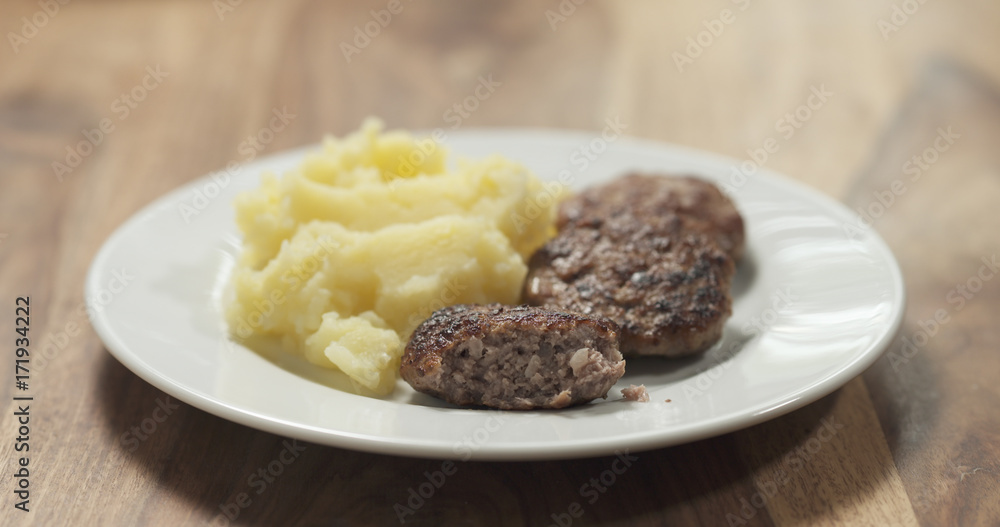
(105, 105)
(558, 64)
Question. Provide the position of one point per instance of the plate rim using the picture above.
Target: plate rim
(523, 451)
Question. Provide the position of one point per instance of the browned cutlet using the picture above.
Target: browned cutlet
(654, 254)
(700, 206)
(513, 358)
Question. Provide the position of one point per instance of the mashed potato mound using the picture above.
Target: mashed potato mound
(345, 256)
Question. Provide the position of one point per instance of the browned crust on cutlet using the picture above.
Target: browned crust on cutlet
(700, 205)
(643, 252)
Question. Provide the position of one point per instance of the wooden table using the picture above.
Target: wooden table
(153, 94)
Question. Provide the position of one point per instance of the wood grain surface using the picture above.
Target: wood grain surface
(915, 440)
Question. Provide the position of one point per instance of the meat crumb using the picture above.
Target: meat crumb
(636, 393)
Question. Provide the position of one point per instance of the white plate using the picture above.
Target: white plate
(843, 301)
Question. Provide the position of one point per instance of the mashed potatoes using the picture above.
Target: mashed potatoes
(345, 256)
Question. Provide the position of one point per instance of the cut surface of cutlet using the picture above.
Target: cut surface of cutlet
(513, 358)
